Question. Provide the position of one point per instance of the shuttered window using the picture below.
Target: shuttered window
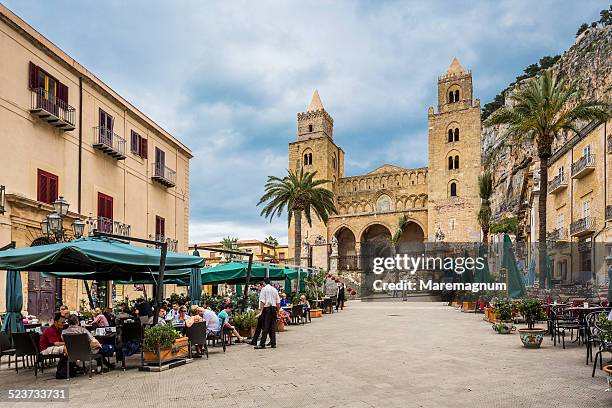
(139, 145)
(105, 206)
(47, 85)
(46, 187)
(160, 227)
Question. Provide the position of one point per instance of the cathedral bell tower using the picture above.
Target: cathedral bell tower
(315, 150)
(454, 158)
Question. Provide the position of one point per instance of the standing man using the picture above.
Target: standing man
(269, 304)
(260, 319)
(340, 296)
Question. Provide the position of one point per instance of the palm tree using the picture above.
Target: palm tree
(270, 240)
(297, 193)
(229, 244)
(539, 111)
(485, 189)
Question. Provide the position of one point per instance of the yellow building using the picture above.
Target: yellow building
(66, 133)
(440, 199)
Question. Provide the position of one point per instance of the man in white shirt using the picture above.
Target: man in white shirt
(269, 305)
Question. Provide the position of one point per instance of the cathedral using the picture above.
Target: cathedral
(440, 201)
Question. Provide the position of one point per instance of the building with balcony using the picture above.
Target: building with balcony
(66, 133)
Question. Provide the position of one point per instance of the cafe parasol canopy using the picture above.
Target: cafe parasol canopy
(236, 272)
(95, 258)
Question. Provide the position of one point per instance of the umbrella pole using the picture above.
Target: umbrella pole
(88, 290)
(245, 293)
(160, 281)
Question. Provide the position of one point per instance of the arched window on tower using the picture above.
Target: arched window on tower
(450, 162)
(451, 98)
(310, 128)
(453, 189)
(450, 135)
(457, 95)
(307, 159)
(456, 134)
(456, 162)
(310, 158)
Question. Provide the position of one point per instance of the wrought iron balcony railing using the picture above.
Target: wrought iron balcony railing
(348, 263)
(558, 183)
(172, 243)
(110, 226)
(583, 226)
(109, 142)
(558, 234)
(163, 174)
(583, 166)
(51, 109)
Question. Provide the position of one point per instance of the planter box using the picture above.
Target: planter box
(314, 313)
(469, 306)
(246, 332)
(159, 356)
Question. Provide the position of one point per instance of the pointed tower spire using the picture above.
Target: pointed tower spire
(455, 67)
(315, 102)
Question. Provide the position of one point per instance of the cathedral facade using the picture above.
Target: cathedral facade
(440, 201)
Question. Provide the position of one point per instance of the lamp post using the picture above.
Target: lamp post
(2, 199)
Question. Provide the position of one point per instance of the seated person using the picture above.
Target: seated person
(51, 340)
(75, 328)
(284, 302)
(182, 317)
(197, 316)
(225, 324)
(211, 319)
(64, 311)
(99, 319)
(226, 301)
(110, 317)
(161, 319)
(304, 301)
(174, 313)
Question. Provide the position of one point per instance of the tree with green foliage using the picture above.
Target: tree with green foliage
(542, 109)
(485, 189)
(299, 194)
(582, 29)
(270, 240)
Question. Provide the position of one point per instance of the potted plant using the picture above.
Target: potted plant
(314, 284)
(532, 311)
(469, 302)
(245, 323)
(163, 343)
(503, 312)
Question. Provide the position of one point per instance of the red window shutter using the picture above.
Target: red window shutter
(52, 188)
(134, 143)
(163, 226)
(105, 206)
(42, 187)
(101, 205)
(33, 76)
(62, 92)
(144, 149)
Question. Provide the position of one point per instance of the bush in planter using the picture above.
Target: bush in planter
(161, 336)
(245, 320)
(532, 310)
(606, 328)
(503, 310)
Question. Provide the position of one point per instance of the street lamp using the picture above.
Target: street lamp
(2, 199)
(78, 227)
(55, 224)
(44, 226)
(61, 206)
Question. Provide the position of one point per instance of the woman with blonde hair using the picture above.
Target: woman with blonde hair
(99, 318)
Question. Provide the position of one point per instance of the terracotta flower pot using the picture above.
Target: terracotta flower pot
(314, 313)
(608, 370)
(469, 306)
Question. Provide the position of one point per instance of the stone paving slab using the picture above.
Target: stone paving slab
(390, 354)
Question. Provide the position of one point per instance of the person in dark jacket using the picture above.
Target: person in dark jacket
(340, 296)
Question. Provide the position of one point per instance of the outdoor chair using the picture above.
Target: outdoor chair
(591, 333)
(298, 314)
(6, 348)
(78, 349)
(328, 305)
(128, 332)
(217, 336)
(604, 346)
(27, 348)
(565, 320)
(197, 336)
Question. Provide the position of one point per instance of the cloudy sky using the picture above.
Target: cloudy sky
(228, 77)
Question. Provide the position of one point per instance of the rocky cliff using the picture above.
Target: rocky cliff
(515, 167)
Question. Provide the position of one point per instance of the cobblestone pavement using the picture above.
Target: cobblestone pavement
(391, 354)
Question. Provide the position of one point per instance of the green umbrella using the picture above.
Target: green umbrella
(235, 273)
(466, 276)
(483, 275)
(548, 272)
(516, 286)
(95, 258)
(195, 283)
(610, 283)
(14, 302)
